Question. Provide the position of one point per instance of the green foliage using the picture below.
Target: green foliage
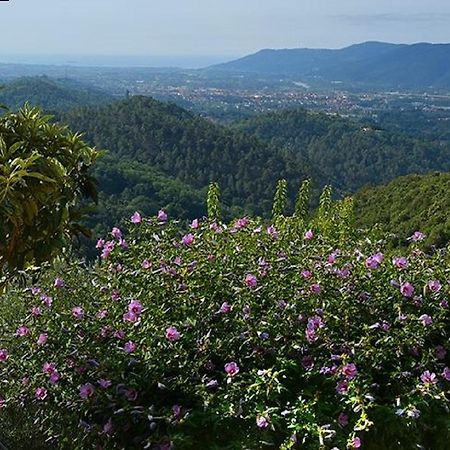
(186, 148)
(302, 202)
(139, 347)
(50, 94)
(408, 204)
(43, 175)
(280, 200)
(213, 202)
(344, 153)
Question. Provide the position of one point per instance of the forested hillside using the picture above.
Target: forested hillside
(127, 186)
(349, 154)
(407, 204)
(142, 133)
(50, 94)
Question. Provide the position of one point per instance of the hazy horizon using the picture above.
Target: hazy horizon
(138, 61)
(218, 31)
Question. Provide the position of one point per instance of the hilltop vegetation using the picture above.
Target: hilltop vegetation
(127, 186)
(408, 204)
(189, 149)
(349, 154)
(50, 94)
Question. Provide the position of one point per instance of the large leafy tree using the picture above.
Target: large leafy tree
(43, 177)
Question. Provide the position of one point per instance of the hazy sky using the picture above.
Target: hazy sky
(212, 27)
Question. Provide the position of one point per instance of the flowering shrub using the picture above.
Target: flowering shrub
(242, 336)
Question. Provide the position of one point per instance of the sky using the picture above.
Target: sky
(214, 29)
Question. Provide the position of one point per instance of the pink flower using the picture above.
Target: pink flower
(434, 285)
(22, 331)
(407, 289)
(108, 428)
(378, 257)
(172, 334)
(187, 239)
(440, 352)
(372, 262)
(117, 233)
(59, 283)
(311, 335)
(162, 216)
(225, 308)
(309, 235)
(426, 319)
(251, 281)
(342, 420)
(356, 442)
(46, 301)
(262, 422)
(77, 312)
(146, 264)
(195, 224)
(135, 307)
(131, 394)
(119, 334)
(428, 377)
(242, 222)
(40, 393)
(417, 236)
(130, 317)
(86, 390)
(446, 374)
(342, 387)
(101, 314)
(49, 368)
(136, 218)
(100, 244)
(400, 262)
(176, 410)
(54, 377)
(315, 288)
(231, 369)
(104, 383)
(36, 311)
(349, 371)
(306, 274)
(42, 339)
(4, 355)
(272, 231)
(107, 249)
(129, 347)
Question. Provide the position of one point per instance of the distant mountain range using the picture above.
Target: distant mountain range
(370, 64)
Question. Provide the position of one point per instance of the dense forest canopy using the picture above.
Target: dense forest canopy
(349, 154)
(407, 204)
(191, 149)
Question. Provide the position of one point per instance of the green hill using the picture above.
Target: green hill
(50, 94)
(408, 204)
(348, 154)
(190, 150)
